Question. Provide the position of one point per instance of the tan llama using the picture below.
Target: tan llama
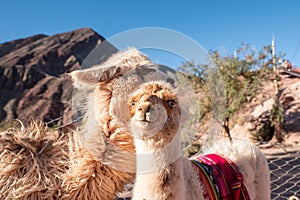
(155, 123)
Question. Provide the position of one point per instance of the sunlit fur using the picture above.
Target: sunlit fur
(176, 179)
(102, 155)
(33, 161)
(37, 163)
(103, 138)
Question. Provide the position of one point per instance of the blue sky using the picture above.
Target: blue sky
(215, 24)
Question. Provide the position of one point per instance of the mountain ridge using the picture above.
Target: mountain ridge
(32, 74)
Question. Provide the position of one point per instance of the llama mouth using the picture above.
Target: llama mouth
(146, 118)
(144, 124)
(144, 121)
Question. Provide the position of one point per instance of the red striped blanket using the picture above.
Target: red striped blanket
(221, 178)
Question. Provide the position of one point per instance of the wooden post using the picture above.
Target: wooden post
(277, 123)
(274, 66)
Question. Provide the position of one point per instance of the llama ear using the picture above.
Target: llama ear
(95, 75)
(117, 65)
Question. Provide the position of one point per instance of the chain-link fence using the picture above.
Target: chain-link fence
(285, 175)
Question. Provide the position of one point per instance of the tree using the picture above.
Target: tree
(239, 77)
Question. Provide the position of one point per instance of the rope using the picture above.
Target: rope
(295, 50)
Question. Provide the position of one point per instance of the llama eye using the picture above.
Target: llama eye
(133, 103)
(171, 104)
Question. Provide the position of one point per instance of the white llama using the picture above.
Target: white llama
(161, 172)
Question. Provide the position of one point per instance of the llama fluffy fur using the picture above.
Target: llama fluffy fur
(97, 168)
(78, 165)
(171, 178)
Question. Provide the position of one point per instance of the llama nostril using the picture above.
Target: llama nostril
(145, 109)
(148, 109)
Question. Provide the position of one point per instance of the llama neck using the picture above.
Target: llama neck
(159, 171)
(151, 158)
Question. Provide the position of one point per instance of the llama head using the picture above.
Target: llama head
(155, 112)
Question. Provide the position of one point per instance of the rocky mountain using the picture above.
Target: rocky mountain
(33, 80)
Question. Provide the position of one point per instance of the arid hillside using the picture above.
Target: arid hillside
(33, 80)
(254, 119)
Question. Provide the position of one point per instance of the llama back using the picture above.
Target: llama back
(251, 162)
